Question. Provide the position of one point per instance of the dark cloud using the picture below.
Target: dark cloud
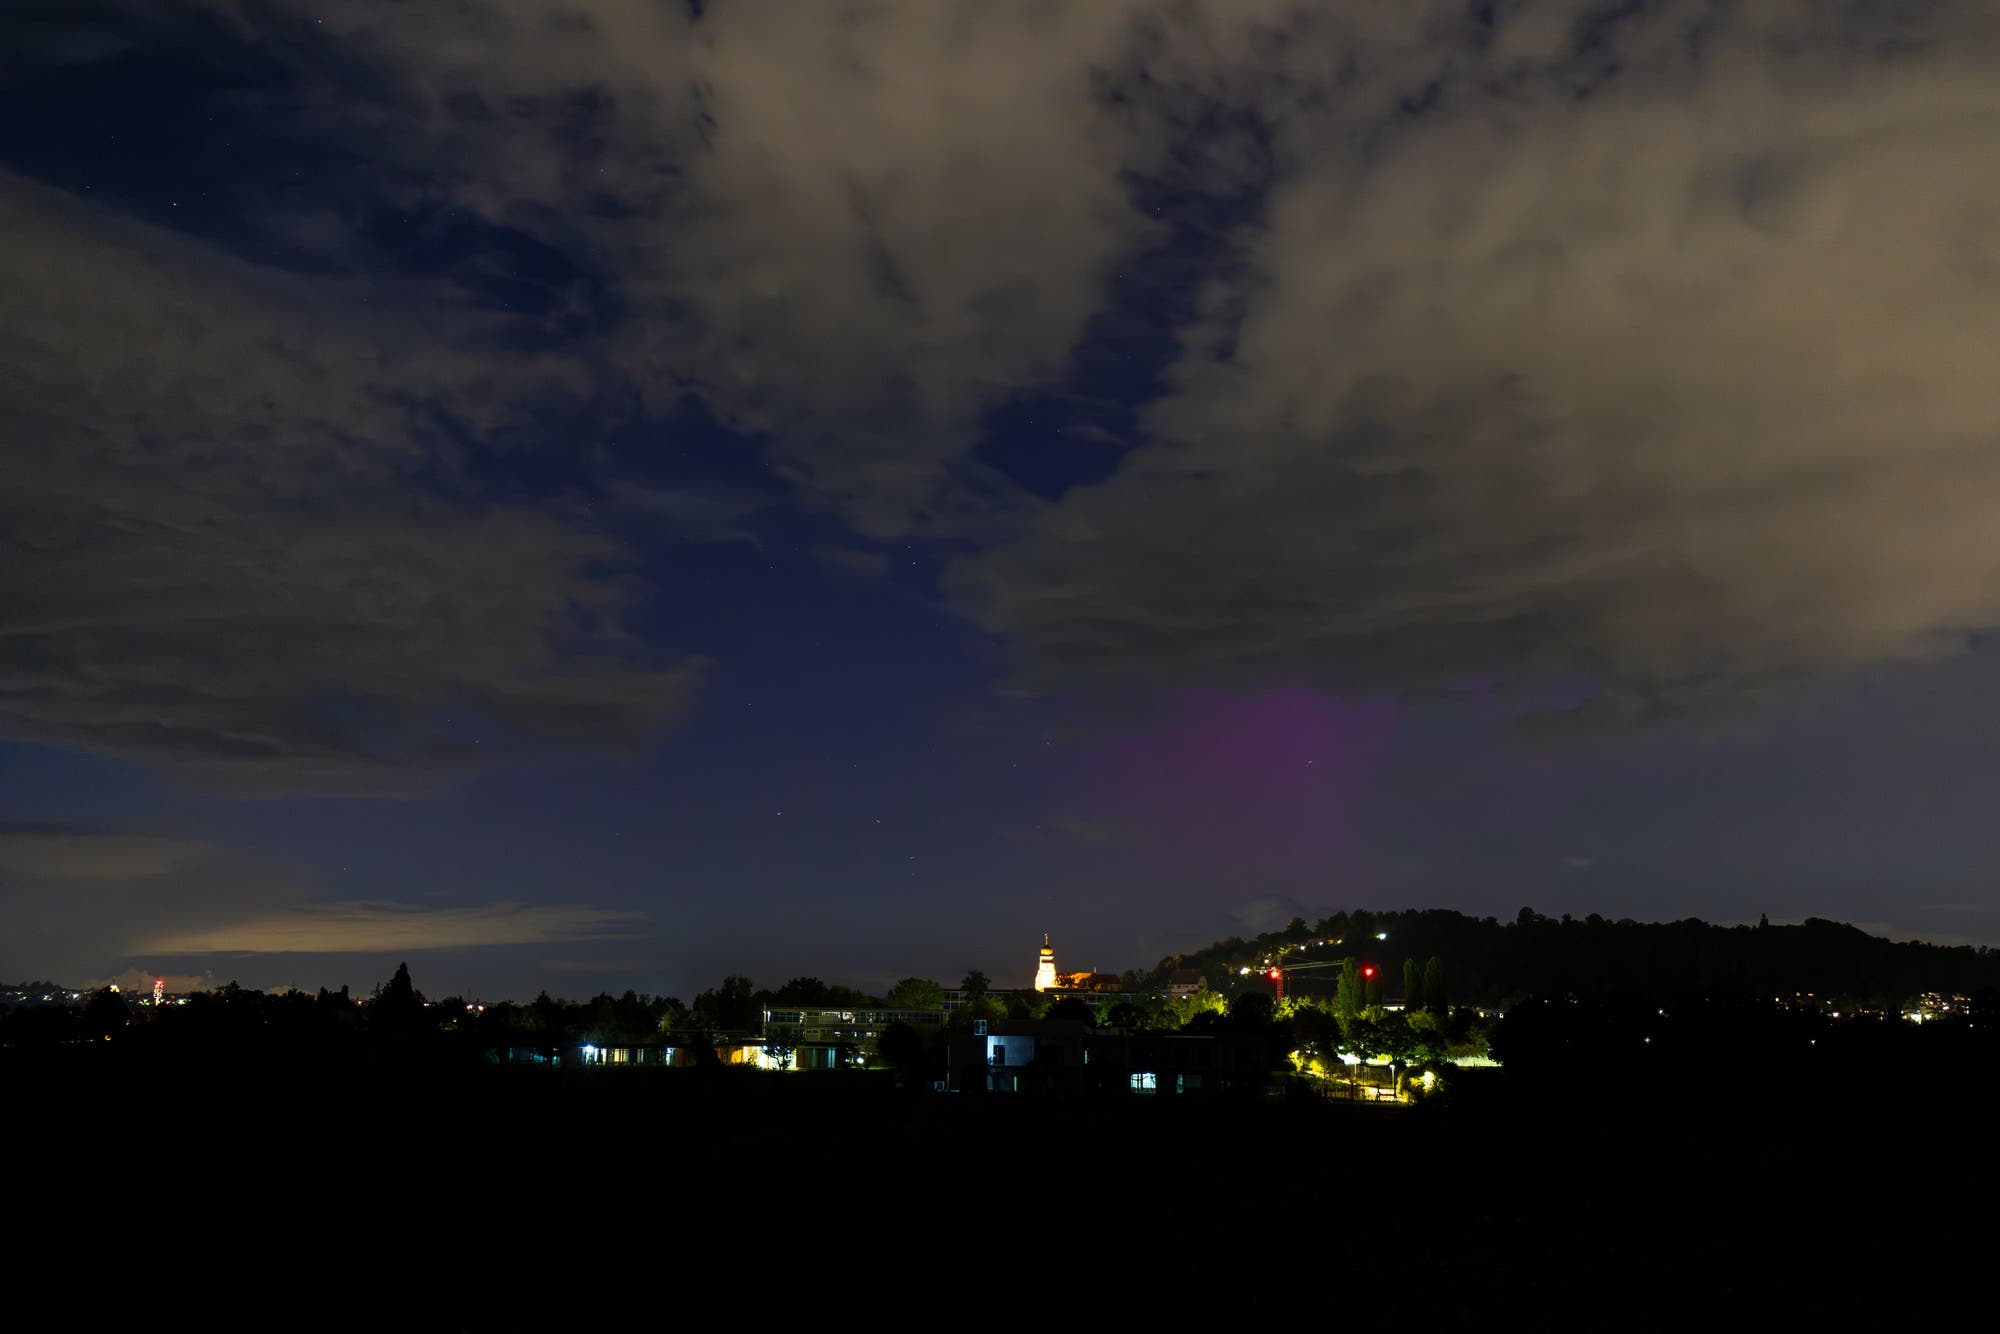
(231, 550)
(691, 514)
(246, 535)
(1271, 913)
(1072, 829)
(60, 853)
(846, 228)
(854, 560)
(81, 901)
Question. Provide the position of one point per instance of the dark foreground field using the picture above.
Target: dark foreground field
(499, 1198)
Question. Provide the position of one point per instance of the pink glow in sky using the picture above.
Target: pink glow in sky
(1266, 785)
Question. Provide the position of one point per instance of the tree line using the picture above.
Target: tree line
(396, 1008)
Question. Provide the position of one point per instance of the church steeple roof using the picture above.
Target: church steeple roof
(1045, 966)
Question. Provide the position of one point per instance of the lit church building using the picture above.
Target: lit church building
(1045, 967)
(1048, 979)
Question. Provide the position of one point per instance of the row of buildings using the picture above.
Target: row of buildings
(997, 1056)
(983, 1055)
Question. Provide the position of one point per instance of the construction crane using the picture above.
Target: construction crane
(1277, 973)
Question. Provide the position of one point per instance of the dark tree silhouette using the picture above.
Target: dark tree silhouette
(975, 983)
(104, 1014)
(804, 991)
(1071, 1008)
(1347, 999)
(730, 1008)
(1124, 1014)
(916, 993)
(1251, 1009)
(902, 1047)
(398, 1007)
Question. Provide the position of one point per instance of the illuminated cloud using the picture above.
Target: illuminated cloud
(358, 926)
(1643, 355)
(1642, 352)
(78, 899)
(849, 227)
(139, 981)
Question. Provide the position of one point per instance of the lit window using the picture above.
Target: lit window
(1145, 1081)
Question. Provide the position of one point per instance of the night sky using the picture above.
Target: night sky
(595, 494)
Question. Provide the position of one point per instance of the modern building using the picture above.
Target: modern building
(1066, 1056)
(802, 1038)
(667, 1050)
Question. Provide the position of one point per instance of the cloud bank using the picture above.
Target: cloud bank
(82, 901)
(1636, 352)
(361, 927)
(1641, 353)
(222, 552)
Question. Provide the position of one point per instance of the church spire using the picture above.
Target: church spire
(1045, 966)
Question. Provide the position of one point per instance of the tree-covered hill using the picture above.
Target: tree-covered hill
(1491, 961)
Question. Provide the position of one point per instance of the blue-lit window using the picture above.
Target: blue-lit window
(1145, 1081)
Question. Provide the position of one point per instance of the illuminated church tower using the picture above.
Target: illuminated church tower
(1045, 967)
